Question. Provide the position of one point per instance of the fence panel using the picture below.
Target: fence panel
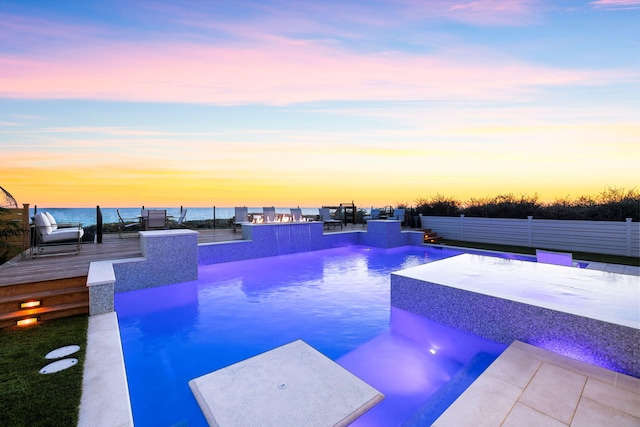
(605, 237)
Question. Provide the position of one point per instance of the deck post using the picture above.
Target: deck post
(98, 225)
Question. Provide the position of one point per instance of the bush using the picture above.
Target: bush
(610, 205)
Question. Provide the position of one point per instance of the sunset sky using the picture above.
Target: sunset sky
(310, 103)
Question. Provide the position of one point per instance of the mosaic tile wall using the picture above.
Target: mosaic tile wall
(171, 256)
(608, 345)
(263, 240)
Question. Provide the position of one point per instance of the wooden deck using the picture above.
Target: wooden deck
(27, 270)
(63, 266)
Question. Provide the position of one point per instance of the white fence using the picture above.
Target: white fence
(604, 237)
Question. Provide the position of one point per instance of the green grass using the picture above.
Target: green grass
(583, 256)
(28, 398)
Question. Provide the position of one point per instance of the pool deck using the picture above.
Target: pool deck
(529, 386)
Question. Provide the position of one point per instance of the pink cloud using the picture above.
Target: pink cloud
(277, 71)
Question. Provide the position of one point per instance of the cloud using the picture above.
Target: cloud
(616, 4)
(483, 12)
(275, 73)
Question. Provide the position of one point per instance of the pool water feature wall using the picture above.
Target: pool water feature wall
(273, 239)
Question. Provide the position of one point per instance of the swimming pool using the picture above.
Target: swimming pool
(337, 300)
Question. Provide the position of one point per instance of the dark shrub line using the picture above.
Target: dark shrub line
(610, 205)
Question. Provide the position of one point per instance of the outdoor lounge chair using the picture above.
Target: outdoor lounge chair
(47, 232)
(241, 217)
(398, 215)
(157, 219)
(182, 217)
(124, 224)
(375, 214)
(325, 217)
(296, 214)
(268, 214)
(557, 258)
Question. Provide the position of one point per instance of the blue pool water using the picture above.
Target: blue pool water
(336, 300)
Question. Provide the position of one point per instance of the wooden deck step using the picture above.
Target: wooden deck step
(430, 236)
(46, 298)
(57, 298)
(44, 313)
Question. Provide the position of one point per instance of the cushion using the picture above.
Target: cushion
(52, 220)
(64, 235)
(42, 224)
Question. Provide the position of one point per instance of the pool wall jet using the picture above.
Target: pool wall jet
(588, 315)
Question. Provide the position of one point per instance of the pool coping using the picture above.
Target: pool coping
(105, 397)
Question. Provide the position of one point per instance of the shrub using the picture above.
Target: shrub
(610, 205)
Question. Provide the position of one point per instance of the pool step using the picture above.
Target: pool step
(431, 236)
(43, 300)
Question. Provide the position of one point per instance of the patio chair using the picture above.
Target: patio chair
(124, 224)
(47, 232)
(325, 217)
(241, 217)
(375, 214)
(296, 214)
(269, 214)
(181, 218)
(557, 258)
(397, 215)
(157, 219)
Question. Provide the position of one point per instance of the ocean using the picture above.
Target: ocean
(87, 216)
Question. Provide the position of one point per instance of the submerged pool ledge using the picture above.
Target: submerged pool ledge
(589, 315)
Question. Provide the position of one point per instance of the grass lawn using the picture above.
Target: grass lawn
(28, 398)
(583, 256)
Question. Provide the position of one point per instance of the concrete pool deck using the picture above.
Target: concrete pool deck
(533, 377)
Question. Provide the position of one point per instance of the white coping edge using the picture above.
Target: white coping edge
(163, 233)
(105, 393)
(101, 273)
(591, 265)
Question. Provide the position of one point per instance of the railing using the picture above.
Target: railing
(604, 237)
